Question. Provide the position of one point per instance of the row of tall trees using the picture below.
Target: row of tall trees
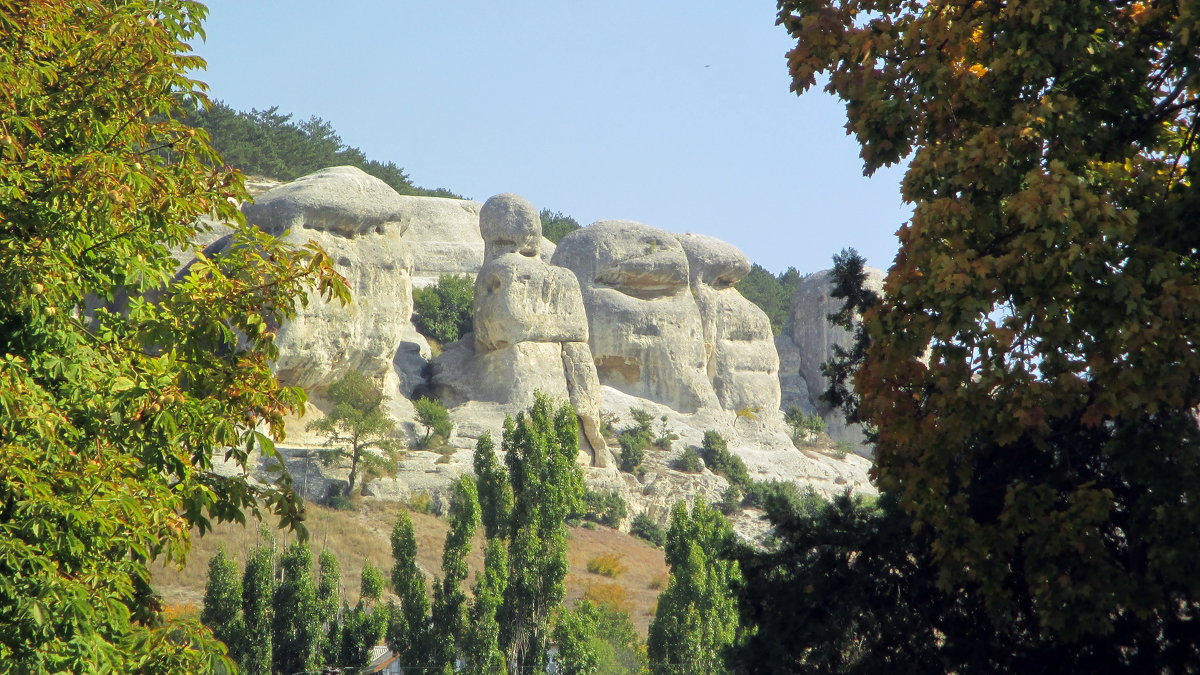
(275, 618)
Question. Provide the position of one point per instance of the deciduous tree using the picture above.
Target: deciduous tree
(358, 430)
(1031, 368)
(223, 600)
(296, 625)
(120, 380)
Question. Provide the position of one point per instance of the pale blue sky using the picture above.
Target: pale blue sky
(675, 114)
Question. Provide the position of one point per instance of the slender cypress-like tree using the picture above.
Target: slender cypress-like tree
(540, 450)
(258, 586)
(329, 601)
(450, 618)
(495, 490)
(408, 633)
(223, 601)
(697, 617)
(482, 649)
(296, 628)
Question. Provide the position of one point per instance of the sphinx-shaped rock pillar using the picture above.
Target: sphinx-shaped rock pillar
(531, 332)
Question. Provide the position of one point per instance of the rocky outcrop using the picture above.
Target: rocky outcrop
(360, 222)
(645, 331)
(739, 346)
(531, 331)
(446, 232)
(814, 336)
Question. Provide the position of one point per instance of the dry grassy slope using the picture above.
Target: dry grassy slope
(356, 537)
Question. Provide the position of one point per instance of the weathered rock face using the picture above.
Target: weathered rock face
(814, 338)
(530, 328)
(360, 222)
(738, 342)
(446, 232)
(645, 331)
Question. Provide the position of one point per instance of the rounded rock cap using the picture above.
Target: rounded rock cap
(509, 224)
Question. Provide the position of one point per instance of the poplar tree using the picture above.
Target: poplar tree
(494, 487)
(296, 626)
(258, 590)
(408, 634)
(329, 602)
(482, 647)
(697, 616)
(540, 450)
(450, 619)
(223, 600)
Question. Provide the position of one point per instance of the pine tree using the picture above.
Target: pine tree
(258, 589)
(296, 628)
(450, 601)
(223, 600)
(697, 617)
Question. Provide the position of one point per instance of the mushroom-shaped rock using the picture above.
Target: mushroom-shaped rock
(644, 326)
(530, 327)
(739, 345)
(359, 221)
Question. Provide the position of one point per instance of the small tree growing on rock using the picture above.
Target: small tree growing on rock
(358, 430)
(434, 416)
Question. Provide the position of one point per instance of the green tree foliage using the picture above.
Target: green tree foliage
(633, 440)
(258, 591)
(444, 311)
(645, 527)
(358, 430)
(773, 294)
(600, 639)
(481, 649)
(556, 225)
(575, 635)
(802, 424)
(495, 489)
(268, 143)
(697, 617)
(362, 628)
(119, 380)
(450, 618)
(223, 599)
(607, 508)
(688, 461)
(409, 634)
(434, 416)
(296, 626)
(371, 585)
(1032, 371)
(329, 600)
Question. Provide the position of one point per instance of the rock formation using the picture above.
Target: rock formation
(531, 331)
(814, 336)
(360, 222)
(645, 330)
(738, 342)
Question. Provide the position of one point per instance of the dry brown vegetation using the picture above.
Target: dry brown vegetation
(358, 536)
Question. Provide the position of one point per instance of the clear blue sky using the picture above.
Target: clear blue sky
(675, 114)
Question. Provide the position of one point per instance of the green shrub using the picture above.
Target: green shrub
(714, 451)
(443, 311)
(633, 451)
(607, 564)
(802, 424)
(841, 449)
(731, 500)
(665, 436)
(340, 502)
(643, 422)
(688, 462)
(436, 419)
(644, 527)
(606, 508)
